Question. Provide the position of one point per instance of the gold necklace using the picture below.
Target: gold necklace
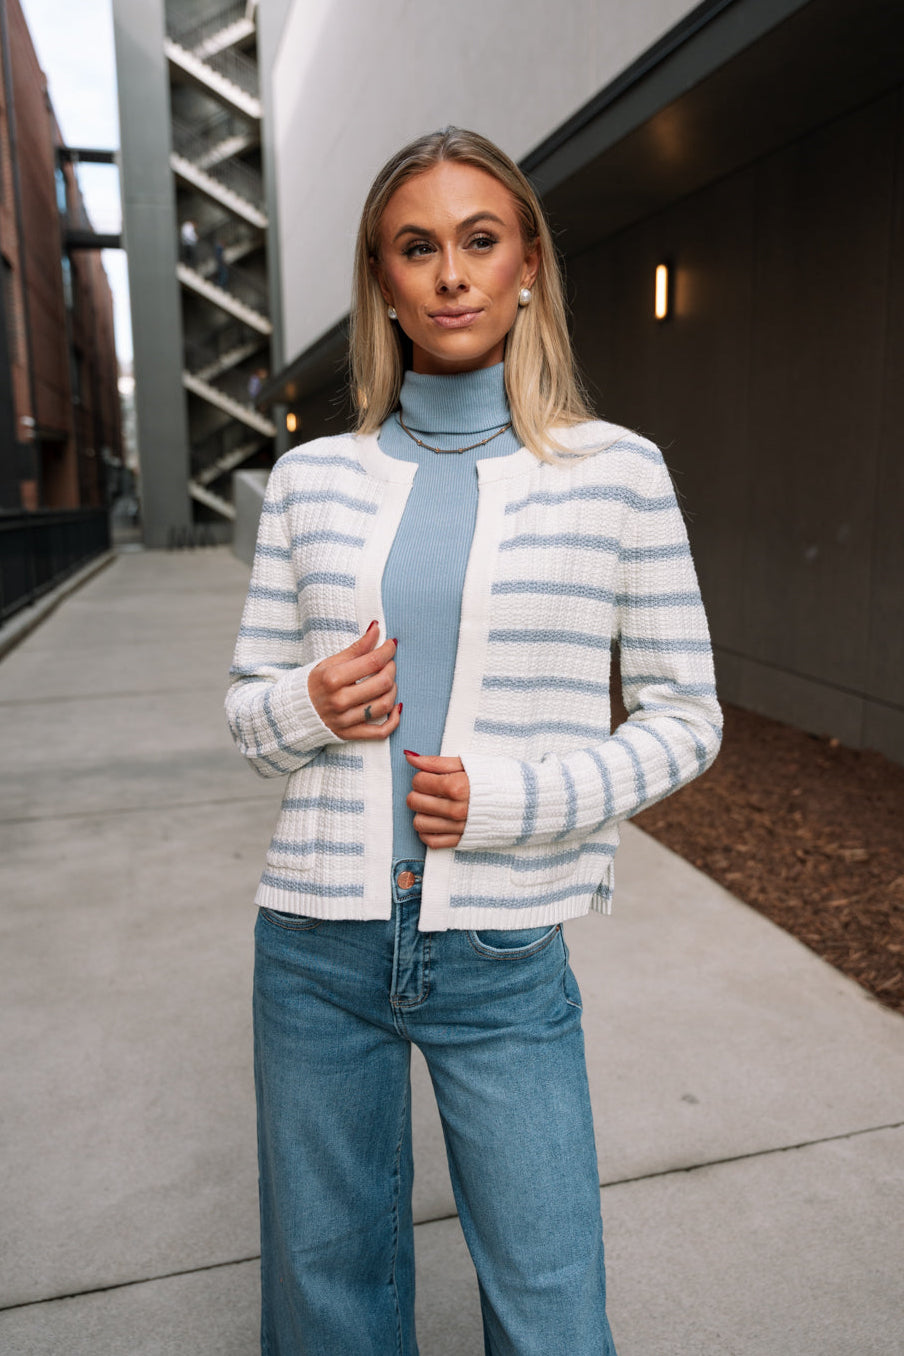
(470, 447)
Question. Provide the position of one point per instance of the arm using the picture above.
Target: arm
(268, 707)
(673, 729)
(282, 710)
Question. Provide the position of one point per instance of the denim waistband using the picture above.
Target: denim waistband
(407, 875)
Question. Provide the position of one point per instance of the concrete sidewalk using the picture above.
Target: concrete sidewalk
(749, 1100)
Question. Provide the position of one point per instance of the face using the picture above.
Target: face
(452, 262)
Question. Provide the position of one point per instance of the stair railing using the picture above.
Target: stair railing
(233, 174)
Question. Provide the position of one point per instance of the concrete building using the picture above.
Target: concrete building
(195, 223)
(59, 405)
(751, 146)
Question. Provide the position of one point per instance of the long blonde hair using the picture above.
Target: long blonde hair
(540, 379)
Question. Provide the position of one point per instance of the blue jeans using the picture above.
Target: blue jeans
(497, 1016)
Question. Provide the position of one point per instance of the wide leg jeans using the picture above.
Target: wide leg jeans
(337, 1006)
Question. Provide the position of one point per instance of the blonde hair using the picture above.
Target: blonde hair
(540, 378)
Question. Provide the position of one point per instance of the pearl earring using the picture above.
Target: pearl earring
(524, 296)
(392, 313)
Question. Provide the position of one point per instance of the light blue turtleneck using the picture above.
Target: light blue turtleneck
(425, 573)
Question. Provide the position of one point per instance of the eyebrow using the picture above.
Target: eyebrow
(462, 225)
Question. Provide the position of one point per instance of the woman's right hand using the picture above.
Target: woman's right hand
(353, 690)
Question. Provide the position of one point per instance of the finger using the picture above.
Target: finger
(449, 785)
(436, 824)
(455, 811)
(440, 840)
(366, 713)
(357, 695)
(343, 671)
(433, 762)
(369, 731)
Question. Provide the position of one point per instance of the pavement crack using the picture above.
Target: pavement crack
(127, 1285)
(754, 1153)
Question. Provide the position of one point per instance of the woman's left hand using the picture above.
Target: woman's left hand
(439, 797)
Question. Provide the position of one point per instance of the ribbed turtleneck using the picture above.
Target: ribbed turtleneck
(425, 572)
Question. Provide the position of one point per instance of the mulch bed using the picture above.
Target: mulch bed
(809, 833)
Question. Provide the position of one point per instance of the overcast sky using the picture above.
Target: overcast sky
(74, 43)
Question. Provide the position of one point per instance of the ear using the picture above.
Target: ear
(531, 265)
(377, 271)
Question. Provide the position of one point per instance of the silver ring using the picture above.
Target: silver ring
(368, 713)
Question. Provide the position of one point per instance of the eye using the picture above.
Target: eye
(416, 249)
(483, 241)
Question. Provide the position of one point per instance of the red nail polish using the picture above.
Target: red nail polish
(395, 640)
(412, 752)
(371, 627)
(400, 708)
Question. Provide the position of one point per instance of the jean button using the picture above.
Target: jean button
(405, 880)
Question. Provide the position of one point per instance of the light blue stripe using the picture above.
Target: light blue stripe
(306, 497)
(660, 646)
(525, 729)
(346, 628)
(273, 552)
(259, 757)
(326, 537)
(275, 595)
(553, 588)
(549, 681)
(571, 802)
(657, 599)
(606, 780)
(619, 494)
(330, 578)
(659, 679)
(293, 635)
(640, 781)
(548, 862)
(310, 887)
(674, 771)
(307, 459)
(270, 633)
(334, 804)
(578, 541)
(678, 550)
(531, 800)
(353, 761)
(271, 719)
(327, 846)
(587, 639)
(524, 900)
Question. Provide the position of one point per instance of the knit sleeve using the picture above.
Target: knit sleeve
(673, 730)
(270, 713)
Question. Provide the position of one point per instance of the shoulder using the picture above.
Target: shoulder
(597, 449)
(338, 453)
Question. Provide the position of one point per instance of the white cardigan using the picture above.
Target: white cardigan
(566, 557)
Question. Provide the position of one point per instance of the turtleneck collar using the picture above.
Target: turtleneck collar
(468, 402)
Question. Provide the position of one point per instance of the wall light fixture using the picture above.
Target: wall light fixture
(662, 302)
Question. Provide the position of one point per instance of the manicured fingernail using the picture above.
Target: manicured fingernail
(400, 708)
(395, 640)
(412, 752)
(371, 627)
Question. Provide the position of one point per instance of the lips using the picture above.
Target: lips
(454, 320)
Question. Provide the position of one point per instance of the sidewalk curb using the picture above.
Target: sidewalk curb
(24, 622)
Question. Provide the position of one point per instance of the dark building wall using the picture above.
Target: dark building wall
(59, 328)
(775, 392)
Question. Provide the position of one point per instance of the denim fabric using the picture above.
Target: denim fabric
(337, 1005)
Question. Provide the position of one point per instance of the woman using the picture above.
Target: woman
(470, 551)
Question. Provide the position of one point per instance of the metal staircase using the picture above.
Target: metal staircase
(215, 159)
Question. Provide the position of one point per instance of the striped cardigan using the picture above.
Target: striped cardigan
(565, 558)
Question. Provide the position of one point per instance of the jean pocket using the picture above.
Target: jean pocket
(512, 943)
(290, 922)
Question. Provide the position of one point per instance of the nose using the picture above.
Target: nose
(450, 274)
